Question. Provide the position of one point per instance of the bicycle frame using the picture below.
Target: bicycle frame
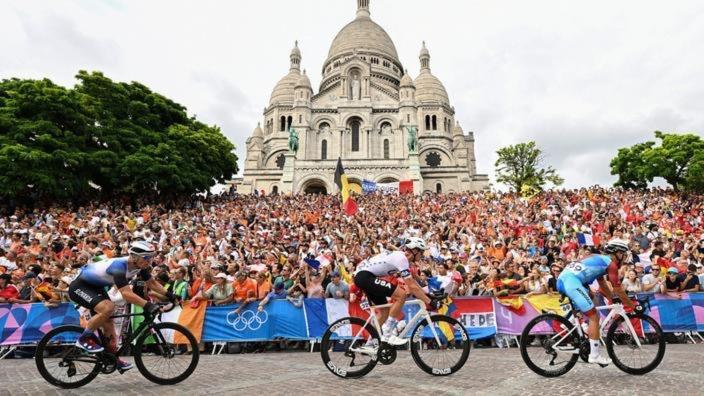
(132, 336)
(614, 310)
(420, 315)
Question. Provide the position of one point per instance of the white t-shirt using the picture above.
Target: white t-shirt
(386, 264)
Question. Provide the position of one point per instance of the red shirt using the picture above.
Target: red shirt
(10, 291)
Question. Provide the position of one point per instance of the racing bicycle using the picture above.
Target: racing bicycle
(439, 344)
(552, 344)
(165, 353)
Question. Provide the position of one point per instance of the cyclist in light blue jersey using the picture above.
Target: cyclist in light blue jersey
(89, 290)
(575, 278)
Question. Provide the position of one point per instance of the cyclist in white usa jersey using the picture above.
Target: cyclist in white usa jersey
(367, 277)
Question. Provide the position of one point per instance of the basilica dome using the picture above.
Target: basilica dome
(363, 35)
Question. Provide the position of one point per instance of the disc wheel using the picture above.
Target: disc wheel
(347, 355)
(624, 350)
(542, 350)
(440, 347)
(63, 364)
(168, 355)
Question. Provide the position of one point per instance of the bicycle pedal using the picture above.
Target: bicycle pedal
(603, 365)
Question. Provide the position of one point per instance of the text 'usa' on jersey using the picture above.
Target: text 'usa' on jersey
(589, 269)
(390, 263)
(110, 272)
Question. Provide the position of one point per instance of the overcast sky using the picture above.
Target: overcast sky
(580, 78)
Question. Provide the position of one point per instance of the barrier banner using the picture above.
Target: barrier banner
(27, 323)
(697, 300)
(279, 319)
(674, 314)
(477, 315)
(511, 322)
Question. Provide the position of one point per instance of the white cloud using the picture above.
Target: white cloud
(582, 79)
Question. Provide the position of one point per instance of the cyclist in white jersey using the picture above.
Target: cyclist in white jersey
(367, 277)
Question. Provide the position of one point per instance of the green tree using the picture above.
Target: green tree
(58, 143)
(679, 159)
(521, 168)
(630, 166)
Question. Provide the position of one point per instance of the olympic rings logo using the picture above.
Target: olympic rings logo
(247, 320)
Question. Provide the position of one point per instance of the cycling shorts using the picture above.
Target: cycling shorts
(86, 294)
(571, 286)
(376, 289)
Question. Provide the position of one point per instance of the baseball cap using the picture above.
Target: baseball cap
(672, 270)
(29, 275)
(278, 285)
(221, 275)
(335, 274)
(66, 279)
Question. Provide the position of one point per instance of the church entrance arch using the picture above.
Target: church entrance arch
(314, 186)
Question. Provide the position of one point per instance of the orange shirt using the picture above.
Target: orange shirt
(263, 289)
(196, 286)
(245, 289)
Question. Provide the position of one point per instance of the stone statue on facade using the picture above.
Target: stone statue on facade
(292, 140)
(356, 94)
(412, 139)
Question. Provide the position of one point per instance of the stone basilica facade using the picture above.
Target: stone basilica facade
(385, 125)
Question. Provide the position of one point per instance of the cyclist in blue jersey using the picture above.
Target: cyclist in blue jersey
(89, 290)
(575, 278)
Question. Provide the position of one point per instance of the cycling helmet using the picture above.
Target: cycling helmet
(616, 245)
(415, 243)
(142, 248)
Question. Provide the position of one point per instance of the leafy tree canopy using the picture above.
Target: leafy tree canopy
(104, 139)
(679, 159)
(521, 168)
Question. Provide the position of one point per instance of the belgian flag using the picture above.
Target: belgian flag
(348, 204)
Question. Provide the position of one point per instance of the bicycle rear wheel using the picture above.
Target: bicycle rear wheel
(445, 354)
(346, 355)
(162, 353)
(63, 364)
(550, 345)
(625, 352)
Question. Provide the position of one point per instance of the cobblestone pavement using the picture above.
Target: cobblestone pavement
(488, 371)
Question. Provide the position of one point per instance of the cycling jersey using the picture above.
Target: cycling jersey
(575, 276)
(110, 272)
(386, 264)
(592, 268)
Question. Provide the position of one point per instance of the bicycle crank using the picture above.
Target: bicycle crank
(387, 354)
(108, 362)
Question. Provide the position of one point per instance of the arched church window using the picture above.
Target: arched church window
(282, 124)
(408, 118)
(427, 123)
(385, 127)
(324, 150)
(280, 161)
(438, 188)
(289, 121)
(386, 148)
(355, 135)
(435, 123)
(323, 127)
(300, 118)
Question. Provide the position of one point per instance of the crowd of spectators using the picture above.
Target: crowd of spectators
(235, 248)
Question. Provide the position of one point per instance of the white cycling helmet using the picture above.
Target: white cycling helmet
(616, 245)
(415, 243)
(142, 248)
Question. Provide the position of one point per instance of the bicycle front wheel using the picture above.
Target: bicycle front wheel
(440, 347)
(624, 350)
(166, 353)
(63, 364)
(349, 349)
(550, 345)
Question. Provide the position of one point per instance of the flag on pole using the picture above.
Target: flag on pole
(348, 203)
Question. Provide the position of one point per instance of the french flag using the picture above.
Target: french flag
(585, 239)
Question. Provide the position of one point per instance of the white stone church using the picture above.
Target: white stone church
(362, 113)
